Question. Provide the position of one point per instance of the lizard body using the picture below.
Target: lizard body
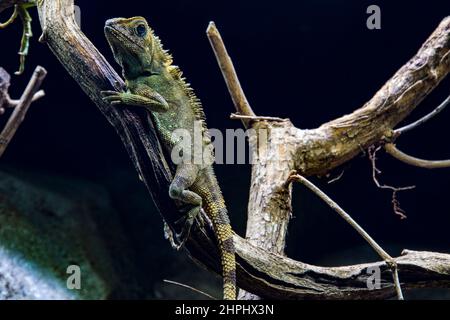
(154, 83)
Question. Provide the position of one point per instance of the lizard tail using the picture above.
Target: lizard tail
(227, 250)
(215, 208)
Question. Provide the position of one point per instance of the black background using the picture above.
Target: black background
(311, 61)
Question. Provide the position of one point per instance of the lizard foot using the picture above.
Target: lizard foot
(152, 101)
(112, 97)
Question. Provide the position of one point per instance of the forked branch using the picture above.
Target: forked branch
(21, 106)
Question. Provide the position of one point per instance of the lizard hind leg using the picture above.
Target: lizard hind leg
(178, 190)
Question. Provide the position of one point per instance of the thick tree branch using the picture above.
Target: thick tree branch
(235, 116)
(278, 277)
(338, 141)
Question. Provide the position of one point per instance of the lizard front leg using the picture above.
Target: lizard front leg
(185, 177)
(149, 99)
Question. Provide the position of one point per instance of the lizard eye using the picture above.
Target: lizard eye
(141, 30)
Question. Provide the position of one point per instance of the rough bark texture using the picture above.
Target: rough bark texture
(269, 206)
(267, 274)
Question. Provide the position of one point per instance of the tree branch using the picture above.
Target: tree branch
(278, 277)
(427, 164)
(30, 94)
(425, 118)
(229, 73)
(338, 141)
(235, 116)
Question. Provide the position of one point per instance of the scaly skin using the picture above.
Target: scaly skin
(157, 85)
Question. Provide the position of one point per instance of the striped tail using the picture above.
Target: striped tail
(214, 206)
(226, 245)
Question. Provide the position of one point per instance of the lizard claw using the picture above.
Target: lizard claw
(111, 97)
(109, 93)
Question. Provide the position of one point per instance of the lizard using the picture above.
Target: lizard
(153, 82)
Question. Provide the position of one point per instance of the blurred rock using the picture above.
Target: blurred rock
(110, 230)
(47, 226)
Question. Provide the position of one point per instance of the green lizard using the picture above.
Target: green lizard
(154, 83)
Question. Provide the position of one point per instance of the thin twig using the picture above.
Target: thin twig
(378, 249)
(427, 164)
(235, 116)
(22, 107)
(425, 118)
(229, 73)
(337, 178)
(372, 152)
(191, 288)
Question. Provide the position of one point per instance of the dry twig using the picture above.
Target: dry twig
(427, 164)
(21, 107)
(372, 152)
(229, 73)
(235, 116)
(424, 119)
(190, 288)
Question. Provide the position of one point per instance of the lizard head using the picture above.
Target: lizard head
(136, 49)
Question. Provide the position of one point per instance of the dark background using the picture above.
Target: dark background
(311, 61)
